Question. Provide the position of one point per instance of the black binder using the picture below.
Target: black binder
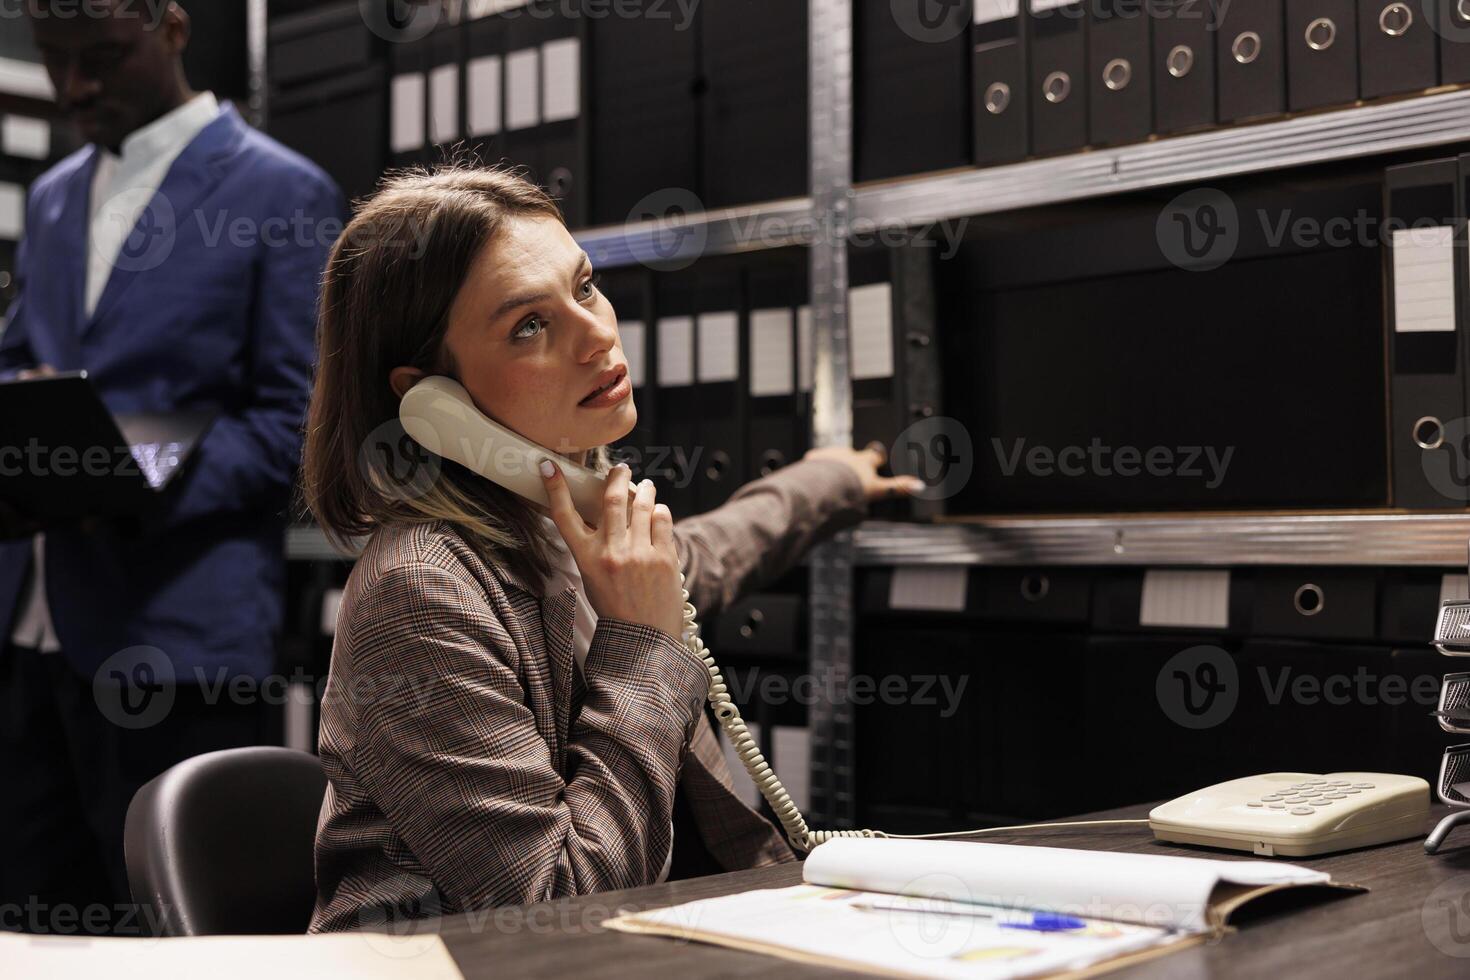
(718, 326)
(1452, 21)
(672, 457)
(776, 429)
(524, 32)
(644, 120)
(1183, 65)
(753, 56)
(1250, 51)
(408, 103)
(484, 110)
(1397, 46)
(1321, 53)
(1000, 89)
(629, 289)
(1424, 258)
(911, 110)
(1056, 41)
(1119, 84)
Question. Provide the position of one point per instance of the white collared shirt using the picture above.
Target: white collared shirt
(122, 186)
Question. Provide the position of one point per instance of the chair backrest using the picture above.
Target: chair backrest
(222, 843)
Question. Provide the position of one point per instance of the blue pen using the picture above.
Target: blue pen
(1047, 922)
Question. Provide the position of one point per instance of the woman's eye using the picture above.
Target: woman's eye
(589, 287)
(528, 329)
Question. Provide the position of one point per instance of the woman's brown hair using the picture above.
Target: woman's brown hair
(389, 285)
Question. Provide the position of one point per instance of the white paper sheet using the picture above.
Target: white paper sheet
(719, 346)
(444, 103)
(406, 109)
(1185, 598)
(482, 96)
(12, 212)
(870, 329)
(26, 137)
(804, 366)
(772, 361)
(634, 338)
(932, 587)
(675, 351)
(522, 102)
(1423, 279)
(561, 79)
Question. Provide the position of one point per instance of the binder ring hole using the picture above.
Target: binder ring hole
(1056, 87)
(559, 182)
(997, 98)
(1247, 47)
(1035, 587)
(1118, 73)
(1429, 432)
(1180, 60)
(1309, 599)
(771, 461)
(719, 462)
(1321, 33)
(1395, 19)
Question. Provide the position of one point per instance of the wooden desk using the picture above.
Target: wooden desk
(1415, 922)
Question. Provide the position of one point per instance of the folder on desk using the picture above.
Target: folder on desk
(1250, 52)
(645, 118)
(753, 57)
(672, 459)
(999, 82)
(776, 429)
(1120, 87)
(720, 468)
(1321, 53)
(1183, 65)
(1056, 56)
(1425, 278)
(1398, 47)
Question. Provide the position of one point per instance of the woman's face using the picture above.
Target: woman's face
(536, 342)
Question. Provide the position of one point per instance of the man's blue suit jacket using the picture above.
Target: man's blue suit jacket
(212, 305)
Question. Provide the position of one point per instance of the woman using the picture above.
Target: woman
(510, 715)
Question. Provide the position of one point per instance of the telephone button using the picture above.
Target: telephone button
(1334, 796)
(1363, 786)
(1272, 798)
(1339, 782)
(1302, 811)
(1255, 803)
(1316, 782)
(1311, 792)
(1276, 806)
(1322, 802)
(1297, 800)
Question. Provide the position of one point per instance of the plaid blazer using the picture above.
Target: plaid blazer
(468, 764)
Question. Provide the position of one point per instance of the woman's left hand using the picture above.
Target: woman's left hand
(865, 463)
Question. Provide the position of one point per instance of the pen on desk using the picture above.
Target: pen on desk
(1035, 922)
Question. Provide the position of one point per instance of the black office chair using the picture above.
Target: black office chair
(222, 843)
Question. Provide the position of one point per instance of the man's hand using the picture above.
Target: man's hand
(865, 463)
(43, 371)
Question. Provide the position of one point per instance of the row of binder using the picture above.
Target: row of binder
(720, 358)
(1428, 309)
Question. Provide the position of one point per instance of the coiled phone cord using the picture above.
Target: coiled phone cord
(802, 837)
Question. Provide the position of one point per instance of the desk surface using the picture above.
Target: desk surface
(1415, 921)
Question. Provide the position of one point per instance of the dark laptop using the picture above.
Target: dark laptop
(64, 456)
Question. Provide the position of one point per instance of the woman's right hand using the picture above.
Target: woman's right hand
(629, 565)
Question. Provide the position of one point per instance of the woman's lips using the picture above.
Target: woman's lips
(619, 390)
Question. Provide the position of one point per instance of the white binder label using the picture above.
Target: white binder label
(1173, 598)
(561, 74)
(675, 351)
(1042, 6)
(804, 365)
(870, 326)
(1423, 279)
(12, 212)
(444, 103)
(406, 106)
(26, 137)
(632, 335)
(989, 11)
(932, 587)
(522, 107)
(719, 346)
(331, 606)
(771, 358)
(475, 9)
(482, 98)
(1453, 587)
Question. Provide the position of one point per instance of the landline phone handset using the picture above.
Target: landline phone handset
(439, 415)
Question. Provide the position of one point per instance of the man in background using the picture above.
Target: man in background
(176, 260)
